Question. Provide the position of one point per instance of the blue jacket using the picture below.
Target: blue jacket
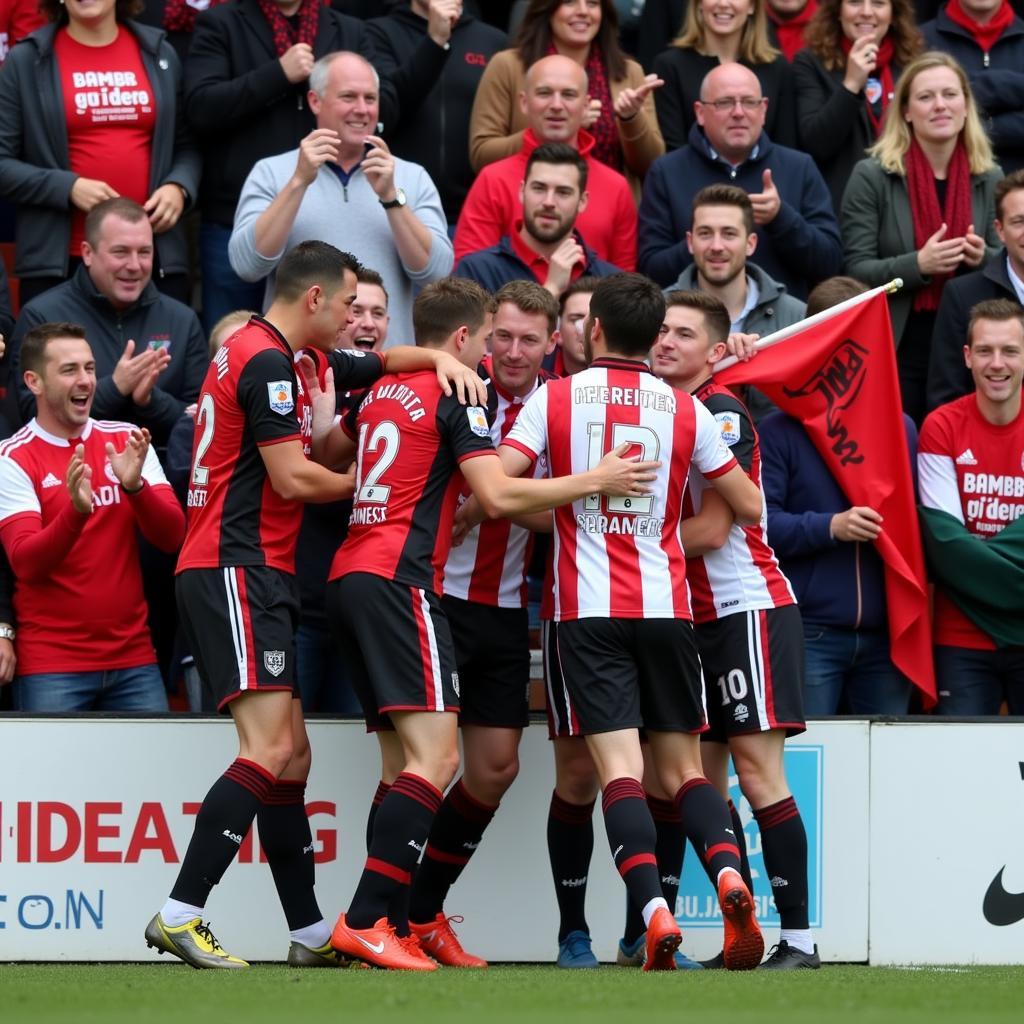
(997, 78)
(800, 247)
(493, 267)
(837, 583)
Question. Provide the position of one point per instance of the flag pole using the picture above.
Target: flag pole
(826, 314)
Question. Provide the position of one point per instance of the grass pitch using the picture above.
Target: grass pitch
(143, 993)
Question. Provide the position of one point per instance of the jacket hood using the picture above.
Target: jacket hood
(148, 36)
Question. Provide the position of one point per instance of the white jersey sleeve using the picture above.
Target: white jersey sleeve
(17, 493)
(152, 471)
(710, 453)
(529, 433)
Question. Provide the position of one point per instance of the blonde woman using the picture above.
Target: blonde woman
(722, 32)
(921, 206)
(621, 119)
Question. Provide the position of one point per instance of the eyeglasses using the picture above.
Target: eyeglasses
(726, 103)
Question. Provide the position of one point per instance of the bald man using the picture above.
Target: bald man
(344, 186)
(798, 236)
(554, 101)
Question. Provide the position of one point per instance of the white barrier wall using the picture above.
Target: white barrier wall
(947, 843)
(95, 816)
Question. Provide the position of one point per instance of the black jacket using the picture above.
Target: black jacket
(997, 78)
(832, 123)
(34, 150)
(948, 376)
(154, 320)
(435, 91)
(239, 102)
(684, 71)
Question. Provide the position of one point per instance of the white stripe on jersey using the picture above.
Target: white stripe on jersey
(237, 621)
(435, 660)
(938, 483)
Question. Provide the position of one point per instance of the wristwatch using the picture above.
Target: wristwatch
(6, 632)
(399, 200)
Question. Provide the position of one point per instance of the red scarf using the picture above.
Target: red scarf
(985, 36)
(285, 37)
(180, 16)
(883, 73)
(607, 147)
(790, 31)
(925, 212)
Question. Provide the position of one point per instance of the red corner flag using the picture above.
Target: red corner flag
(836, 374)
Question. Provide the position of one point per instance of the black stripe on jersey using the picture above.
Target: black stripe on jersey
(354, 369)
(717, 399)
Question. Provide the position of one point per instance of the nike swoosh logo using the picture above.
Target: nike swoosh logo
(378, 948)
(1001, 907)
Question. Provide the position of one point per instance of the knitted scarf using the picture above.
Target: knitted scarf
(790, 31)
(925, 212)
(883, 72)
(285, 37)
(180, 15)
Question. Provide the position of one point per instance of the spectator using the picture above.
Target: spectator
(6, 329)
(245, 94)
(658, 26)
(987, 39)
(1001, 278)
(8, 634)
(545, 246)
(149, 348)
(845, 78)
(798, 237)
(570, 356)
(73, 491)
(56, 169)
(621, 115)
(788, 19)
(435, 53)
(979, 646)
(721, 241)
(825, 548)
(554, 100)
(922, 207)
(714, 34)
(17, 19)
(343, 186)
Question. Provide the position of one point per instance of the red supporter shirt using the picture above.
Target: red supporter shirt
(489, 566)
(620, 557)
(17, 19)
(252, 397)
(411, 438)
(743, 574)
(974, 470)
(110, 115)
(89, 612)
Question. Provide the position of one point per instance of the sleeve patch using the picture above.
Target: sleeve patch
(729, 425)
(279, 395)
(478, 421)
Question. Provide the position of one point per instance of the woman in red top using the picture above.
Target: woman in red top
(90, 109)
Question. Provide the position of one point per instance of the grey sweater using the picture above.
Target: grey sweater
(350, 217)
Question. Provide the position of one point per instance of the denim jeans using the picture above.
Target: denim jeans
(974, 682)
(854, 663)
(119, 689)
(223, 290)
(324, 681)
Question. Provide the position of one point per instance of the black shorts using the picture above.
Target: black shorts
(556, 697)
(631, 673)
(754, 668)
(397, 641)
(492, 651)
(240, 624)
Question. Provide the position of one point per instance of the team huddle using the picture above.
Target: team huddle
(671, 637)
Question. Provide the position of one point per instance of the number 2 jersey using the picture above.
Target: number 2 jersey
(411, 439)
(620, 557)
(743, 574)
(252, 397)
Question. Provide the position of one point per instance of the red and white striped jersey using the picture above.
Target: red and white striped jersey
(743, 574)
(620, 557)
(490, 565)
(974, 470)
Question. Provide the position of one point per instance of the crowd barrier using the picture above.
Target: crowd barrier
(915, 832)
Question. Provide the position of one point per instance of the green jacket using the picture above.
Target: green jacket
(878, 233)
(983, 578)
